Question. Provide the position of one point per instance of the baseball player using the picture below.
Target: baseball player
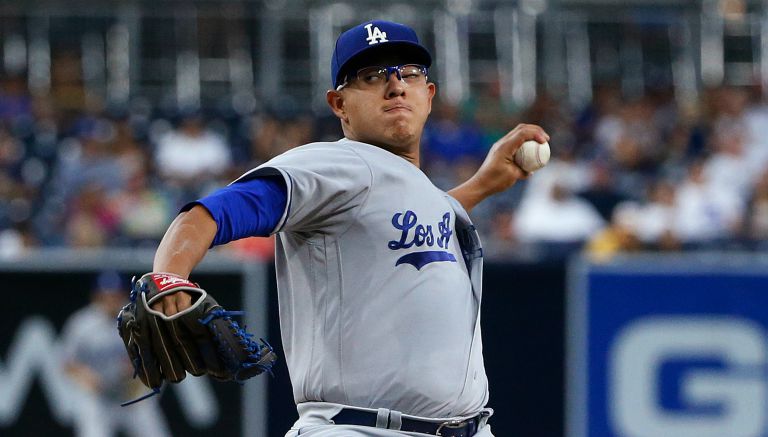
(378, 271)
(95, 362)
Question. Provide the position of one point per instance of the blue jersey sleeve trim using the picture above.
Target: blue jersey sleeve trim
(273, 172)
(246, 208)
(284, 219)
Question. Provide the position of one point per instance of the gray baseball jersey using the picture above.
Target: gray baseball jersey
(89, 339)
(378, 308)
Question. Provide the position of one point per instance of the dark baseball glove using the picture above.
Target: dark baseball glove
(202, 339)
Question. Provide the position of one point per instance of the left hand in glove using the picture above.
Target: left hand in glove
(201, 339)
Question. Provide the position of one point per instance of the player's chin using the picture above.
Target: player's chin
(402, 133)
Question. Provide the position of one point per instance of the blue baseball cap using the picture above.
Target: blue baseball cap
(375, 35)
(110, 281)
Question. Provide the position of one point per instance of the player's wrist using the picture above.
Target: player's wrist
(168, 274)
(485, 183)
(470, 193)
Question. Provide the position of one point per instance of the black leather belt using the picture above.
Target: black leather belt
(465, 428)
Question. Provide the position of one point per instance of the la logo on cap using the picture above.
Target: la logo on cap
(375, 36)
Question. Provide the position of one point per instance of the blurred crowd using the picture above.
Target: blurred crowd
(647, 173)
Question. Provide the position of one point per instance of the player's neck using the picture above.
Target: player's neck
(410, 154)
(413, 158)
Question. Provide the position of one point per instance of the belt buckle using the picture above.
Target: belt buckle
(455, 424)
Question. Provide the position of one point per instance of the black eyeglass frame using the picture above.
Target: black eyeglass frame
(397, 69)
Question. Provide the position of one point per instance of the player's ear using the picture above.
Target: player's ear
(335, 100)
(431, 91)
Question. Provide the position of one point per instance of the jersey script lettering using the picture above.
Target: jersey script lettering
(412, 233)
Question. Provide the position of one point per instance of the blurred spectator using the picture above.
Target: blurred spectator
(19, 185)
(95, 360)
(595, 123)
(564, 168)
(42, 133)
(91, 222)
(602, 192)
(757, 218)
(15, 240)
(191, 155)
(547, 112)
(488, 110)
(684, 143)
(131, 153)
(728, 166)
(67, 82)
(738, 128)
(271, 135)
(15, 102)
(557, 217)
(630, 138)
(655, 218)
(756, 139)
(705, 211)
(89, 159)
(142, 212)
(447, 138)
(12, 153)
(619, 236)
(550, 218)
(502, 241)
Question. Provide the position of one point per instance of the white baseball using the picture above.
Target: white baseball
(532, 155)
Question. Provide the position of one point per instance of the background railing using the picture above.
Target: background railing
(194, 52)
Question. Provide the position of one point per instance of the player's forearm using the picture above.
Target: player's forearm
(471, 193)
(499, 171)
(186, 242)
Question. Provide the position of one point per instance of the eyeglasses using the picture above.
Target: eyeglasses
(376, 75)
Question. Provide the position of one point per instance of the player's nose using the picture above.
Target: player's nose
(395, 86)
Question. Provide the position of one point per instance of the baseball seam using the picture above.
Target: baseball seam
(538, 156)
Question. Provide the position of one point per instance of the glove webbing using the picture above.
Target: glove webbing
(253, 347)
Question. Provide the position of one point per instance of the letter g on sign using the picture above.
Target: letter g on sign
(738, 387)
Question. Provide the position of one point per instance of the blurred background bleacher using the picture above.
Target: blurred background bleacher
(114, 114)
